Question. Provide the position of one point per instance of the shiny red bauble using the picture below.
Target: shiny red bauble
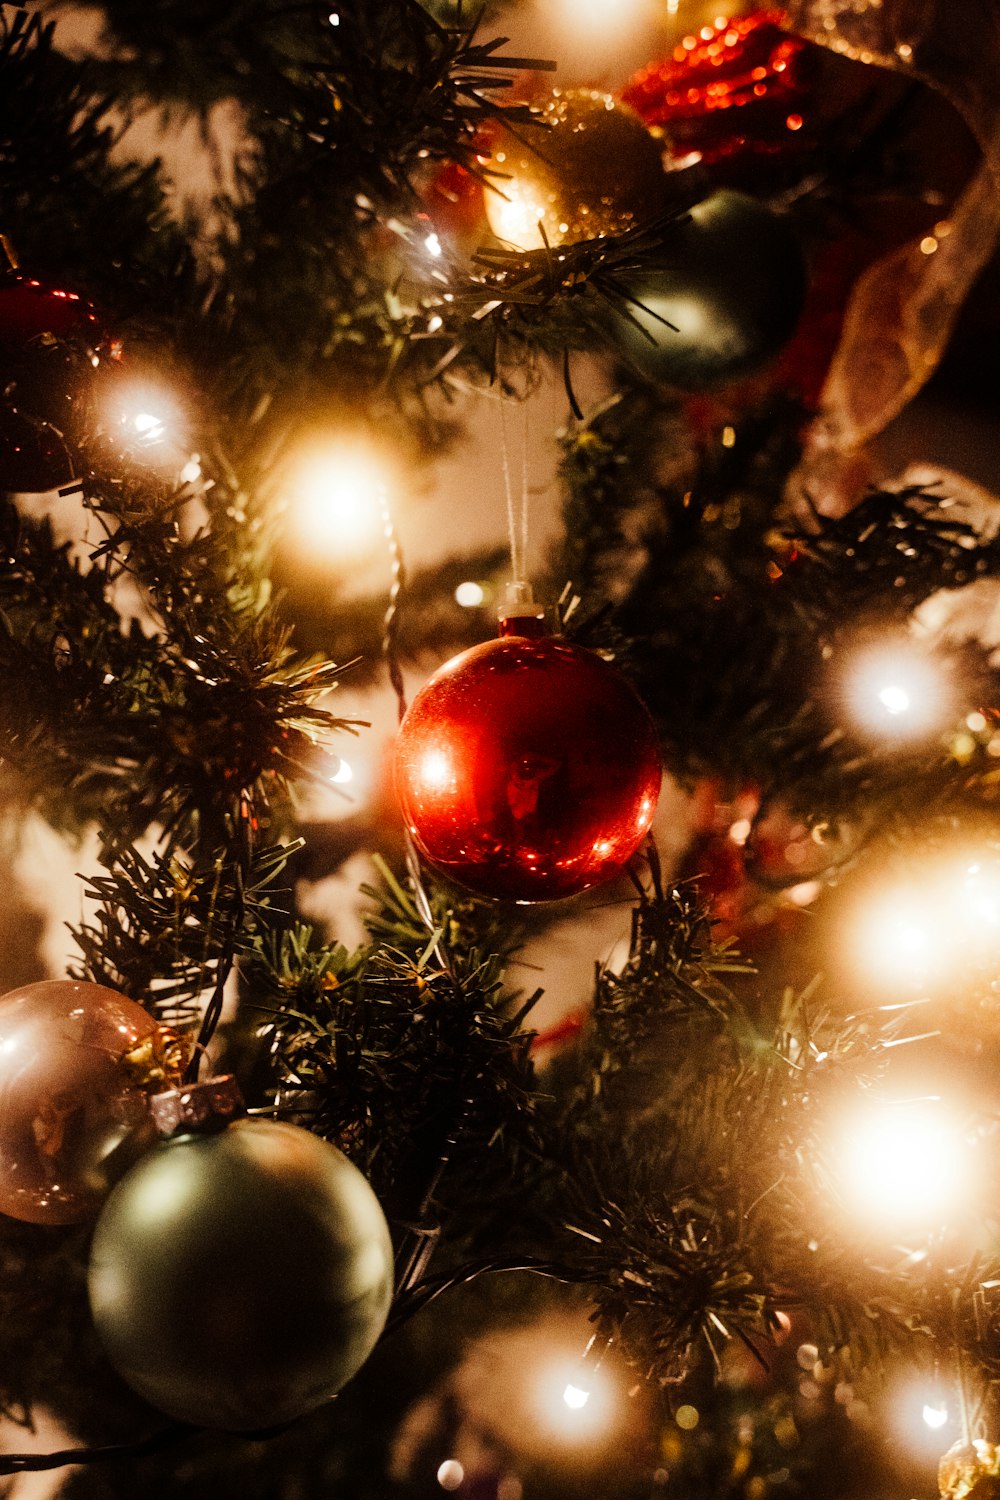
(527, 769)
(48, 336)
(30, 308)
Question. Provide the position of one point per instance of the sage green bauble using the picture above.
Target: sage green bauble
(238, 1280)
(731, 280)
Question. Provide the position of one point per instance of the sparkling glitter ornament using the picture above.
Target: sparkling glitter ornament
(970, 1471)
(595, 171)
(72, 1113)
(242, 1272)
(527, 769)
(724, 297)
(734, 96)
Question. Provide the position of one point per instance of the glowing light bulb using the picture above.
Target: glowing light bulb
(935, 1415)
(451, 1474)
(152, 418)
(576, 1402)
(904, 1165)
(603, 15)
(148, 426)
(433, 246)
(343, 774)
(897, 690)
(515, 213)
(334, 492)
(894, 699)
(980, 893)
(470, 595)
(901, 940)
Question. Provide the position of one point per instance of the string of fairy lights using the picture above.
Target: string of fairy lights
(905, 1165)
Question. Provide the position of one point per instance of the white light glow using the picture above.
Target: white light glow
(469, 595)
(335, 494)
(514, 211)
(148, 426)
(897, 691)
(343, 774)
(922, 1418)
(901, 940)
(894, 699)
(606, 17)
(433, 246)
(904, 1166)
(152, 418)
(435, 770)
(940, 922)
(191, 472)
(980, 893)
(575, 1403)
(451, 1474)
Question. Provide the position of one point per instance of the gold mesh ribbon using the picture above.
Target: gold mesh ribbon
(970, 1471)
(903, 308)
(158, 1062)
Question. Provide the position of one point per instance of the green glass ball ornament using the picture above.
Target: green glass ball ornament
(240, 1276)
(723, 298)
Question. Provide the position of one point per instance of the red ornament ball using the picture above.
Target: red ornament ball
(30, 308)
(48, 339)
(527, 769)
(71, 1118)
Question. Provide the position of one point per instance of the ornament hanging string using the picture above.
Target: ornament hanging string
(422, 1233)
(390, 624)
(390, 654)
(517, 515)
(246, 823)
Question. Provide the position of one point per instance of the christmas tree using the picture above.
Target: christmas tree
(517, 1063)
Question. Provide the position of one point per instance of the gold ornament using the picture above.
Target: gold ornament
(970, 1471)
(595, 171)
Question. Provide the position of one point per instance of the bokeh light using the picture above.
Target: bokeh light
(343, 774)
(576, 1401)
(149, 419)
(932, 926)
(903, 1166)
(334, 491)
(450, 1474)
(897, 691)
(923, 1420)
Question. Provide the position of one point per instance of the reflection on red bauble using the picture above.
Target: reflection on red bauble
(43, 380)
(30, 308)
(71, 1117)
(527, 769)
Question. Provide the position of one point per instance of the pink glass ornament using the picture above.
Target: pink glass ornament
(71, 1117)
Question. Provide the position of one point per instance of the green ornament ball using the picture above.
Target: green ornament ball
(239, 1279)
(731, 280)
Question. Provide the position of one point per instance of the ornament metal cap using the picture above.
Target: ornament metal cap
(518, 613)
(200, 1107)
